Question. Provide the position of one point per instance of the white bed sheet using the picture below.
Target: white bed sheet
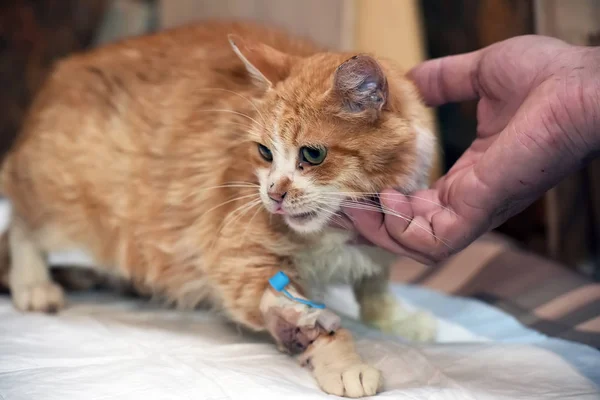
(107, 348)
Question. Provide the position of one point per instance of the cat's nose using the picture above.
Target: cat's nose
(277, 196)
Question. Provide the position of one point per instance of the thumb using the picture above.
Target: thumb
(447, 79)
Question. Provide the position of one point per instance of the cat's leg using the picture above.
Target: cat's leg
(29, 278)
(381, 309)
(330, 355)
(335, 364)
(338, 368)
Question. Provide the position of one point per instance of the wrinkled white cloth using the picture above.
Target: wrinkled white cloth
(106, 348)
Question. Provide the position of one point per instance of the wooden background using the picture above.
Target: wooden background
(33, 34)
(573, 207)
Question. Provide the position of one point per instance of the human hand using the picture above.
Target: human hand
(538, 120)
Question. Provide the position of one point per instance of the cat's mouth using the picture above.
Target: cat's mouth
(307, 221)
(302, 217)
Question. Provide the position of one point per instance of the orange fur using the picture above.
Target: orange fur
(135, 153)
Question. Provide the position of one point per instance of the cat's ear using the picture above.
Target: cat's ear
(265, 65)
(360, 87)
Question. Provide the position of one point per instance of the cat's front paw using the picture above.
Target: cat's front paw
(339, 369)
(385, 313)
(354, 380)
(417, 327)
(45, 297)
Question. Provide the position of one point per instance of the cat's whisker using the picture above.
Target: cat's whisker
(325, 210)
(242, 183)
(444, 241)
(248, 133)
(332, 207)
(334, 215)
(231, 186)
(319, 206)
(390, 195)
(241, 96)
(227, 221)
(236, 113)
(232, 218)
(241, 186)
(250, 221)
(232, 215)
(347, 216)
(246, 126)
(420, 226)
(230, 201)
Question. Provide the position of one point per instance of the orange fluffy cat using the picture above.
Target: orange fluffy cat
(200, 161)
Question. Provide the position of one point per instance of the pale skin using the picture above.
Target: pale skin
(538, 120)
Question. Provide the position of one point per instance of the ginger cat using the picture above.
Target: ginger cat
(198, 162)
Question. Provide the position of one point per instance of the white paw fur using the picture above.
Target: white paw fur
(386, 314)
(41, 297)
(418, 326)
(339, 369)
(354, 380)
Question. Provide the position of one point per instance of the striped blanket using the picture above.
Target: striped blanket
(541, 294)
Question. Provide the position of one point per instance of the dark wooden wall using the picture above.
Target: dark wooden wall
(33, 34)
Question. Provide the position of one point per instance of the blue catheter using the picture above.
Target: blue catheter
(280, 280)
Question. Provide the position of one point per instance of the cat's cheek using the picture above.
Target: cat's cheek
(418, 177)
(263, 175)
(425, 152)
(303, 184)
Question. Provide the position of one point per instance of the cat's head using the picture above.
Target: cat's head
(332, 127)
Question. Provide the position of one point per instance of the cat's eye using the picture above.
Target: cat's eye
(313, 155)
(265, 152)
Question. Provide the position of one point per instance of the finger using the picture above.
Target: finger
(344, 222)
(418, 225)
(370, 225)
(372, 229)
(447, 79)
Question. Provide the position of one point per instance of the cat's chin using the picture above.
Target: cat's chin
(306, 223)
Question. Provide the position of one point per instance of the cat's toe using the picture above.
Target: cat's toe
(331, 383)
(358, 380)
(361, 380)
(45, 297)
